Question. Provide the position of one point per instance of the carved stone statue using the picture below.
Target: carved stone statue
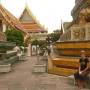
(84, 16)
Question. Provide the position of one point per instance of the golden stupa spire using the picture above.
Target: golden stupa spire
(61, 31)
(26, 5)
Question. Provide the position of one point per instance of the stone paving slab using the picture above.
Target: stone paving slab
(44, 87)
(22, 78)
(3, 88)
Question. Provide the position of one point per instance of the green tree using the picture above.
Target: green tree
(15, 36)
(35, 42)
(54, 36)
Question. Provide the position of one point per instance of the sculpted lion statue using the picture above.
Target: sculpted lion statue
(84, 15)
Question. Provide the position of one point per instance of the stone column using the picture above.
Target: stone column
(72, 36)
(87, 30)
(29, 50)
(4, 27)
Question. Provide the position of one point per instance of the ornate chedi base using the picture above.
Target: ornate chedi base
(72, 48)
(68, 49)
(67, 60)
(75, 39)
(6, 58)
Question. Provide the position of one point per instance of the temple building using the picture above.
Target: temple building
(8, 55)
(7, 20)
(66, 53)
(31, 25)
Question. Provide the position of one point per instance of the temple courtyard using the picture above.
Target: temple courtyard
(24, 77)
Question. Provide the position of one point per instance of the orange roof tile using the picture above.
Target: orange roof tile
(11, 20)
(32, 27)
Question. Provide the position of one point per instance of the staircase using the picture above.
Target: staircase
(64, 66)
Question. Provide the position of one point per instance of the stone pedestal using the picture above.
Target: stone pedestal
(7, 56)
(39, 68)
(5, 68)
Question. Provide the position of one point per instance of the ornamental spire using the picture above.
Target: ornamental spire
(61, 31)
(26, 4)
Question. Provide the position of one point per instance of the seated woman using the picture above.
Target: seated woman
(80, 76)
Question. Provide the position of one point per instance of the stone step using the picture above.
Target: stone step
(63, 71)
(63, 66)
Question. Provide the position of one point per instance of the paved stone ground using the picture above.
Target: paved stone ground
(23, 78)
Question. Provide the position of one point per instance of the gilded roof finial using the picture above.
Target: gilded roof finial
(26, 4)
(62, 31)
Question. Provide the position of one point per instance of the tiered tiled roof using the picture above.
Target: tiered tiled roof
(29, 22)
(32, 27)
(11, 20)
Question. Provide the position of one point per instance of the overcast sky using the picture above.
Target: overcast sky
(48, 12)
